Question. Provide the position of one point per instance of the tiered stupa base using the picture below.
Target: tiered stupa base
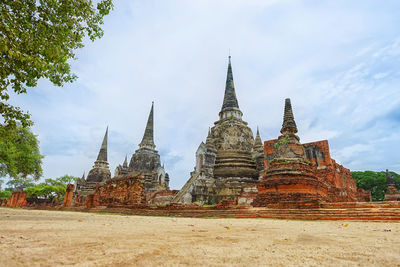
(392, 194)
(235, 164)
(210, 191)
(290, 183)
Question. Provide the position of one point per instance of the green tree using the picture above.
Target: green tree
(19, 183)
(67, 179)
(19, 153)
(37, 40)
(375, 182)
(44, 190)
(5, 194)
(53, 189)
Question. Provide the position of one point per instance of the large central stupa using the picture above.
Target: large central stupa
(230, 158)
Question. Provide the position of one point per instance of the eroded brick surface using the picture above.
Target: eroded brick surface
(312, 178)
(17, 199)
(126, 190)
(69, 194)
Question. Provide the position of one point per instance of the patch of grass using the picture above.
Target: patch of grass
(210, 217)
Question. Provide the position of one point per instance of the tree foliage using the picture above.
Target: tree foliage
(37, 38)
(19, 153)
(19, 183)
(375, 182)
(5, 194)
(67, 179)
(51, 188)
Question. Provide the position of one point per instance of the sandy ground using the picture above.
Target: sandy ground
(51, 238)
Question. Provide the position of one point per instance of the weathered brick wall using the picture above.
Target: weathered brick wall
(248, 194)
(332, 182)
(293, 183)
(320, 150)
(79, 200)
(392, 194)
(69, 193)
(127, 190)
(17, 199)
(363, 195)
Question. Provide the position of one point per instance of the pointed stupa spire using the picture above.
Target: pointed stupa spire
(103, 150)
(125, 164)
(389, 179)
(288, 125)
(148, 137)
(230, 101)
(81, 180)
(258, 141)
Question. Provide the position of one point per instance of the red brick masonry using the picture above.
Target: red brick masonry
(380, 211)
(17, 199)
(127, 190)
(306, 184)
(69, 193)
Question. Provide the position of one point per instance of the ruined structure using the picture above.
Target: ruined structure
(69, 194)
(132, 184)
(17, 199)
(128, 190)
(230, 158)
(392, 194)
(146, 161)
(123, 169)
(100, 172)
(299, 174)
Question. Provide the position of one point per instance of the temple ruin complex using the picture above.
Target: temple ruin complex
(232, 168)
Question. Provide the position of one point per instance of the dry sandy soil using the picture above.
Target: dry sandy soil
(51, 238)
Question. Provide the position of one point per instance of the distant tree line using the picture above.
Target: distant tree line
(53, 189)
(375, 182)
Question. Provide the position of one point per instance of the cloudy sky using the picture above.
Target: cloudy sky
(338, 61)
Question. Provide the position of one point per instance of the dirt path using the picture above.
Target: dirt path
(49, 238)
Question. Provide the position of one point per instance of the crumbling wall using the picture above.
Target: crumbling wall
(127, 190)
(17, 199)
(392, 194)
(69, 193)
(338, 184)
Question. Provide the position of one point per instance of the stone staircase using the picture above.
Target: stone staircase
(179, 195)
(375, 213)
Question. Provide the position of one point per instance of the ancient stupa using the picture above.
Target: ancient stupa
(228, 160)
(303, 174)
(100, 172)
(392, 194)
(146, 161)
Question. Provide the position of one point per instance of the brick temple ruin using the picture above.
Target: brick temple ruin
(298, 174)
(142, 182)
(392, 194)
(232, 168)
(235, 174)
